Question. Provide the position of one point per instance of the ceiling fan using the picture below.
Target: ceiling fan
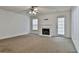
(33, 10)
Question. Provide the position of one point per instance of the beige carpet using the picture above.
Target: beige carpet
(35, 43)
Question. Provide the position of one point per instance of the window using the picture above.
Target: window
(35, 24)
(61, 25)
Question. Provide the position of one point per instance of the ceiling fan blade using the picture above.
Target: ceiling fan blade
(26, 11)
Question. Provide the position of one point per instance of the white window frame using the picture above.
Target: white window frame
(35, 24)
(62, 32)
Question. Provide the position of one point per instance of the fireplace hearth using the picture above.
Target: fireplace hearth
(45, 31)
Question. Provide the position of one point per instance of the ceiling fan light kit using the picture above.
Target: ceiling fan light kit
(33, 11)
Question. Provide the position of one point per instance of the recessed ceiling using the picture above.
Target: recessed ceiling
(42, 9)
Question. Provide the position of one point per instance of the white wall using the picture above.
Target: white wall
(13, 24)
(75, 27)
(52, 22)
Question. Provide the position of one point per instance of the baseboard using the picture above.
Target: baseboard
(10, 36)
(75, 46)
(62, 36)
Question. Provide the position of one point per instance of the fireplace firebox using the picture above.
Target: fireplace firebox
(46, 31)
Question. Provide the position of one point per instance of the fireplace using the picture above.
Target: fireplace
(45, 31)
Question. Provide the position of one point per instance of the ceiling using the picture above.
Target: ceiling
(42, 9)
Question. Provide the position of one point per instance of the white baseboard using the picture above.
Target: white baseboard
(10, 36)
